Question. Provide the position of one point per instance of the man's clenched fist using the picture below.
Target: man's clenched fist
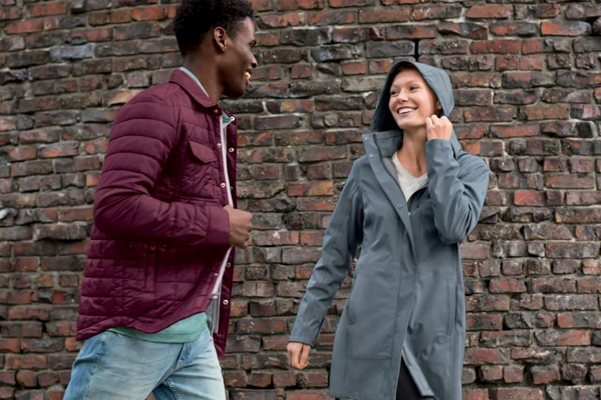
(240, 227)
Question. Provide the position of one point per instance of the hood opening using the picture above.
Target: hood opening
(438, 80)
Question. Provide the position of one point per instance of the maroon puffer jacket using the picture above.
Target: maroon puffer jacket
(160, 231)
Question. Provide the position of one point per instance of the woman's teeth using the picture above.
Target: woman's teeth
(247, 74)
(405, 110)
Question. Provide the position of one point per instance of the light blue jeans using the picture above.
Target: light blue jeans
(111, 366)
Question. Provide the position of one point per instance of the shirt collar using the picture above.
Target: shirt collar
(226, 118)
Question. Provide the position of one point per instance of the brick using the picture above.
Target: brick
(445, 47)
(281, 20)
(411, 32)
(324, 18)
(507, 286)
(570, 302)
(380, 50)
(10, 346)
(10, 13)
(151, 13)
(28, 58)
(39, 10)
(490, 373)
(480, 303)
(566, 28)
(62, 149)
(590, 355)
(562, 338)
(467, 30)
(27, 378)
(25, 361)
(513, 374)
(595, 374)
(421, 13)
(480, 114)
(34, 25)
(514, 29)
(351, 3)
(574, 372)
(517, 394)
(546, 10)
(512, 338)
(545, 375)
(476, 356)
(489, 11)
(383, 16)
(287, 5)
(484, 321)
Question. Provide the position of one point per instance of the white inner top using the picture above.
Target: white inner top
(409, 183)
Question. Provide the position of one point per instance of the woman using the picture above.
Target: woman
(407, 203)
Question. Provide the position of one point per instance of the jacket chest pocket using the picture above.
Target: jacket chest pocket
(200, 170)
(202, 155)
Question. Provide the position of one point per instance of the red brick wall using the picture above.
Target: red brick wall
(527, 80)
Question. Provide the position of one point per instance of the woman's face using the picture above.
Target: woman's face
(411, 100)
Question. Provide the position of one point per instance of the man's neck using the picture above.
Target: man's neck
(207, 77)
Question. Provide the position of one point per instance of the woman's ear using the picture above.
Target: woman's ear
(438, 109)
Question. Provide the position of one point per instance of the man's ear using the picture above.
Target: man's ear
(219, 36)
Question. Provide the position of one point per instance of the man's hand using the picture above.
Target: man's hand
(240, 227)
(438, 128)
(298, 354)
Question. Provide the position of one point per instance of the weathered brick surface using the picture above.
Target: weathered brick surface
(526, 76)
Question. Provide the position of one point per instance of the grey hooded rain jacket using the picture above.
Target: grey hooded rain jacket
(407, 299)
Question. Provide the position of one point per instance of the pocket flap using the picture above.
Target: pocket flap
(202, 152)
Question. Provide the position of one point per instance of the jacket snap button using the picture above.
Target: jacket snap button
(216, 111)
(400, 206)
(222, 185)
(225, 302)
(228, 265)
(231, 150)
(219, 145)
(367, 139)
(371, 155)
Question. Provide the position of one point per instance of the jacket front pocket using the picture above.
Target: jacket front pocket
(371, 315)
(452, 302)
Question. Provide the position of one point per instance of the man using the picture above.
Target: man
(155, 299)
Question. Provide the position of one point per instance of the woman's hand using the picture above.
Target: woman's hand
(438, 128)
(298, 354)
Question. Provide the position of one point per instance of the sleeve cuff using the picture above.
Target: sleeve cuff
(301, 339)
(438, 144)
(219, 226)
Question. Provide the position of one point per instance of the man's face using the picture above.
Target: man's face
(239, 61)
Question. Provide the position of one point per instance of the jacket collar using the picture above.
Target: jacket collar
(192, 88)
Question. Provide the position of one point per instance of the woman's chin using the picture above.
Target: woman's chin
(410, 125)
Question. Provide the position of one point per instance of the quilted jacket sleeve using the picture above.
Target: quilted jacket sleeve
(142, 137)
